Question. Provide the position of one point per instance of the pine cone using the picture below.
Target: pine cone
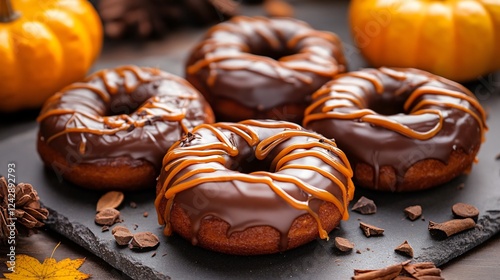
(21, 213)
(154, 18)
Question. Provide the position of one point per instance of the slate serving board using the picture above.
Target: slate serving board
(73, 209)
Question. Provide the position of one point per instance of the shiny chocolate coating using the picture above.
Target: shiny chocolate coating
(253, 173)
(397, 117)
(262, 64)
(133, 112)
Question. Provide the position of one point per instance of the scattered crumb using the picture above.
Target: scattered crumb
(145, 214)
(136, 226)
(133, 204)
(358, 252)
(154, 254)
(104, 228)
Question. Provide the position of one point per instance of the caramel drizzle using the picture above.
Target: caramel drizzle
(357, 112)
(178, 158)
(329, 65)
(113, 124)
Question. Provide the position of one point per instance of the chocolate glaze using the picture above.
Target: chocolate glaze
(128, 112)
(261, 63)
(253, 173)
(396, 117)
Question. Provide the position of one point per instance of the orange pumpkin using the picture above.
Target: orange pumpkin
(44, 45)
(457, 39)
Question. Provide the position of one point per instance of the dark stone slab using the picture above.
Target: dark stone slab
(73, 209)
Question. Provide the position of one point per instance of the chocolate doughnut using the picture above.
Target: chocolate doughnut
(401, 129)
(257, 68)
(112, 130)
(253, 187)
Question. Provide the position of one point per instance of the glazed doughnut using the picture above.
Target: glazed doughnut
(401, 129)
(258, 68)
(112, 130)
(253, 187)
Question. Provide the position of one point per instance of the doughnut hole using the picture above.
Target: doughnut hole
(230, 110)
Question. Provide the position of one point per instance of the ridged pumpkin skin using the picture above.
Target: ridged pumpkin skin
(457, 39)
(51, 44)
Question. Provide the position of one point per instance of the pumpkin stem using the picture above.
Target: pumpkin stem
(7, 13)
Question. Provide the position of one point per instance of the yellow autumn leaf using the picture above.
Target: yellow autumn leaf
(29, 268)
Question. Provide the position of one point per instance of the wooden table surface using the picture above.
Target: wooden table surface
(480, 263)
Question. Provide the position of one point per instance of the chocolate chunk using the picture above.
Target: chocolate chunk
(413, 212)
(107, 217)
(365, 206)
(370, 230)
(123, 237)
(405, 248)
(119, 228)
(144, 240)
(463, 210)
(343, 244)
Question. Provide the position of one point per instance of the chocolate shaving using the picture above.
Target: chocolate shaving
(401, 271)
(343, 244)
(405, 249)
(364, 206)
(413, 212)
(111, 199)
(389, 272)
(449, 228)
(370, 230)
(107, 217)
(463, 210)
(423, 270)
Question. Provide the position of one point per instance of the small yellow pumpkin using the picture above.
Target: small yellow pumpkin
(44, 46)
(457, 39)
